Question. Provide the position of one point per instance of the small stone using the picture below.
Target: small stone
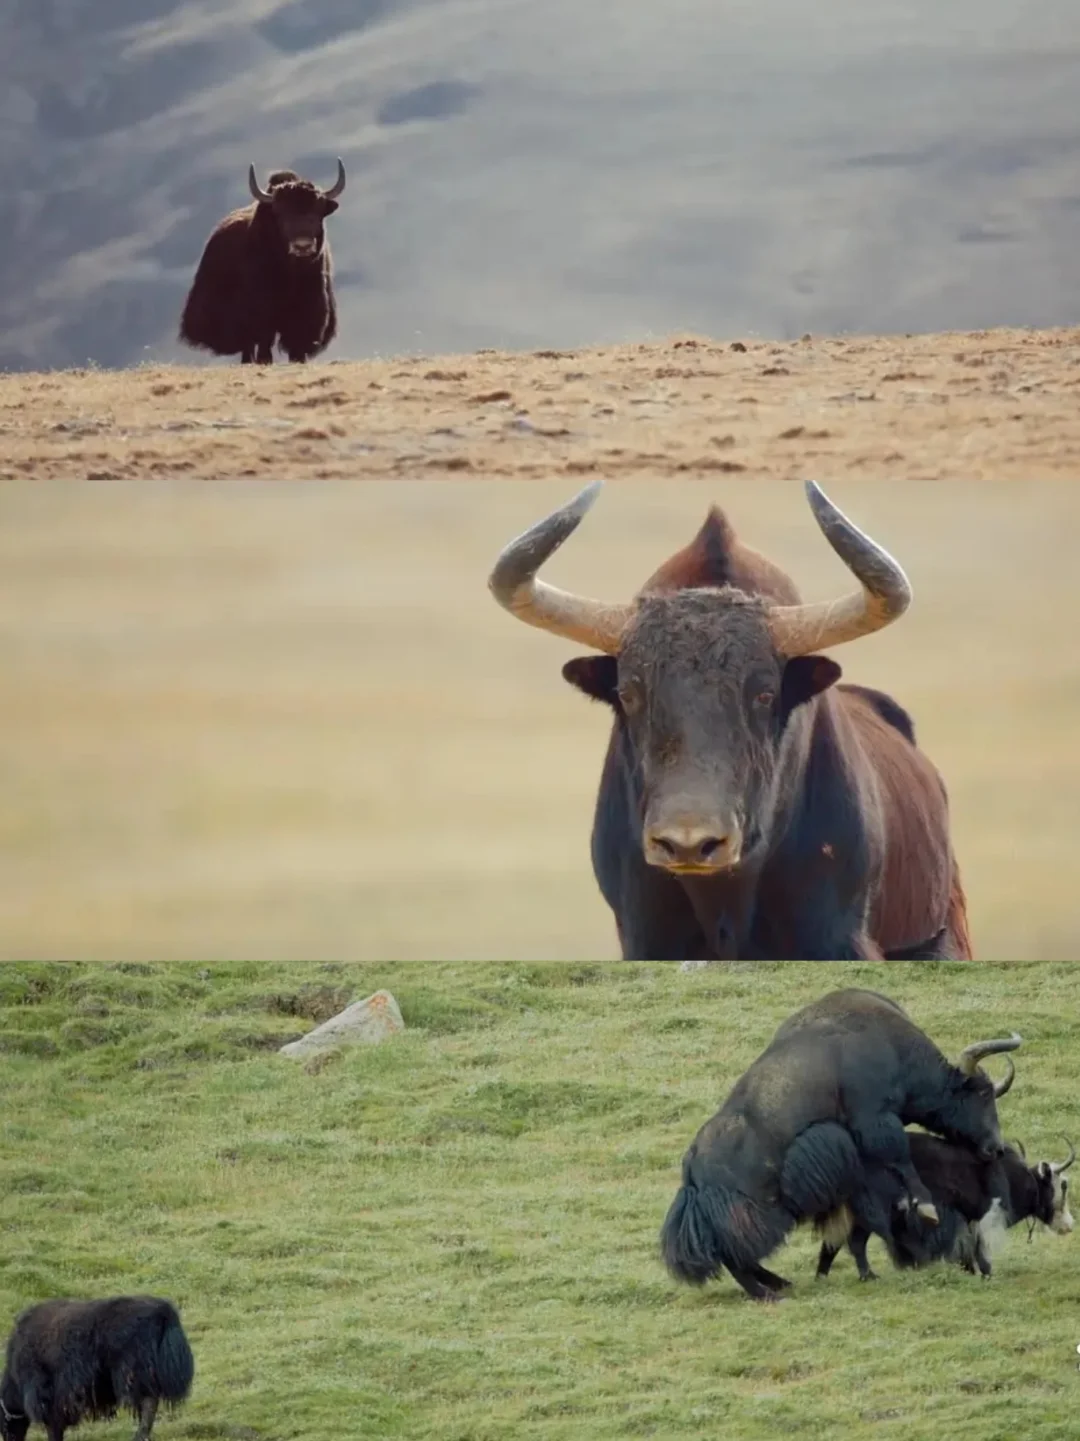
(376, 1018)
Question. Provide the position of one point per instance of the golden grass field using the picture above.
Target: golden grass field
(992, 405)
(289, 722)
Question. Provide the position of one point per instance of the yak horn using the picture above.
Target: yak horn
(1057, 1167)
(1000, 1087)
(338, 185)
(970, 1056)
(514, 585)
(884, 596)
(1018, 1147)
(253, 186)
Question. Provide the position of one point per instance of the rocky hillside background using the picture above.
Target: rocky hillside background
(539, 174)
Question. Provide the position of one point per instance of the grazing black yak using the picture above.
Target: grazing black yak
(73, 1361)
(749, 807)
(837, 1083)
(266, 275)
(974, 1197)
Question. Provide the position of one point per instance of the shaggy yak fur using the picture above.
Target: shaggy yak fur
(847, 849)
(975, 1198)
(266, 277)
(831, 1093)
(73, 1361)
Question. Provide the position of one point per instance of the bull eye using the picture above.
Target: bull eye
(630, 699)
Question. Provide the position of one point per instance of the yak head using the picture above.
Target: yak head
(1051, 1199)
(969, 1115)
(298, 208)
(703, 681)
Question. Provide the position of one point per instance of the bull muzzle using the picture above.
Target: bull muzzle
(691, 847)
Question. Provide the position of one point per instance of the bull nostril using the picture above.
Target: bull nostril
(710, 845)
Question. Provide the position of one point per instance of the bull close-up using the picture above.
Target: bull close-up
(830, 1094)
(265, 277)
(749, 806)
(975, 1198)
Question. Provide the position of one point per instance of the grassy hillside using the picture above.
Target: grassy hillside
(451, 1237)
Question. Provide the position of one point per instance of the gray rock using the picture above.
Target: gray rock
(376, 1018)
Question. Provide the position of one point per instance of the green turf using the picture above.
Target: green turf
(453, 1235)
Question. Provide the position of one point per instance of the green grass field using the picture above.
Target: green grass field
(453, 1235)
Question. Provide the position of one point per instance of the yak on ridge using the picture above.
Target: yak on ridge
(265, 276)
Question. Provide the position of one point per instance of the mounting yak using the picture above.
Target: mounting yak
(974, 1197)
(749, 807)
(266, 275)
(73, 1361)
(830, 1095)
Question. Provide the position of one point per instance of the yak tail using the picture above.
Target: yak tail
(708, 1228)
(175, 1363)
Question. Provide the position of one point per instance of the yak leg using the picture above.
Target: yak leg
(882, 1138)
(826, 1256)
(55, 1430)
(770, 1278)
(147, 1412)
(857, 1243)
(750, 1280)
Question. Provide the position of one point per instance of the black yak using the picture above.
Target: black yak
(777, 1153)
(266, 275)
(73, 1361)
(749, 807)
(974, 1198)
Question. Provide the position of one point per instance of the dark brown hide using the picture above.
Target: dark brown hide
(252, 292)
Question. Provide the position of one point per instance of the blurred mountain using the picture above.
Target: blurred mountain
(546, 172)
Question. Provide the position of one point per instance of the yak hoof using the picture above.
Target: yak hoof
(928, 1211)
(869, 1276)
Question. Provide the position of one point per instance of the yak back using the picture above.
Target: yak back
(851, 1053)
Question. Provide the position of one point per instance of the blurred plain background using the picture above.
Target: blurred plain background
(546, 172)
(288, 721)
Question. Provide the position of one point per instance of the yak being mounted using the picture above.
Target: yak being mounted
(749, 807)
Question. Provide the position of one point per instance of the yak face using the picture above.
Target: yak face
(1052, 1199)
(703, 700)
(973, 1112)
(299, 210)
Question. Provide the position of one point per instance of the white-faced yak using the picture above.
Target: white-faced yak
(975, 1199)
(830, 1095)
(74, 1361)
(266, 275)
(750, 808)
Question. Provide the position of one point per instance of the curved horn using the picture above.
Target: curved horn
(883, 597)
(338, 185)
(1057, 1167)
(1018, 1147)
(1000, 1087)
(253, 186)
(970, 1056)
(514, 585)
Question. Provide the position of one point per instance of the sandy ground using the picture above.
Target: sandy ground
(270, 721)
(1000, 404)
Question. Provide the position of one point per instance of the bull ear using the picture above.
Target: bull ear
(328, 206)
(805, 677)
(596, 675)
